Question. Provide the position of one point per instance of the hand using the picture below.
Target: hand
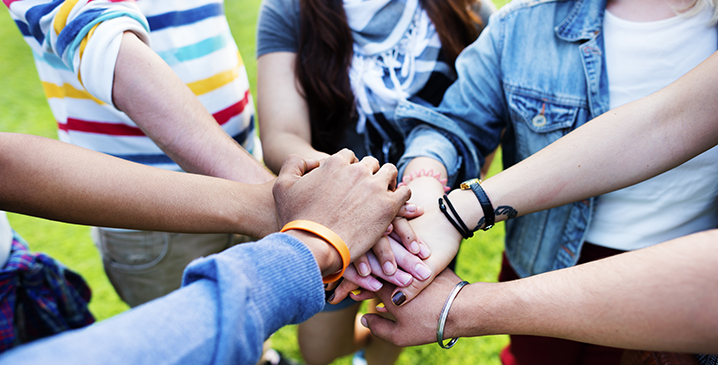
(400, 230)
(416, 322)
(444, 243)
(411, 263)
(355, 199)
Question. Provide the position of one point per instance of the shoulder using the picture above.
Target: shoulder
(278, 26)
(518, 8)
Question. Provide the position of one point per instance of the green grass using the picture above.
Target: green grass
(23, 109)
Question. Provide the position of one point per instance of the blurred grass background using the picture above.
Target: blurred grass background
(23, 109)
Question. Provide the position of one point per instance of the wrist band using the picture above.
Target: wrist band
(329, 236)
(475, 186)
(458, 223)
(445, 314)
(418, 173)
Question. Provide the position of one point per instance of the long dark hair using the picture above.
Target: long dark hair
(325, 55)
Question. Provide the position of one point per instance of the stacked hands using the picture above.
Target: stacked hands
(397, 247)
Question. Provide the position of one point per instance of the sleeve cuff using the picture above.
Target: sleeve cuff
(97, 67)
(424, 141)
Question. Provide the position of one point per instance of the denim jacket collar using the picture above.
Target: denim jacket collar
(584, 22)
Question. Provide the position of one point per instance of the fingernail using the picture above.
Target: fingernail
(404, 278)
(414, 247)
(364, 269)
(424, 253)
(380, 305)
(375, 285)
(389, 268)
(356, 292)
(411, 208)
(364, 322)
(398, 299)
(331, 297)
(423, 271)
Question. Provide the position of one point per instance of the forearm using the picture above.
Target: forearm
(660, 298)
(229, 305)
(63, 182)
(284, 123)
(155, 98)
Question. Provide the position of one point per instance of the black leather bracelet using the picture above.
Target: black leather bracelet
(475, 186)
(463, 229)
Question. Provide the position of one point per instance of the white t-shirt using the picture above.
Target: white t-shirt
(642, 58)
(5, 239)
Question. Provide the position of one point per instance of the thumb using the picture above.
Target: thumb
(379, 326)
(296, 166)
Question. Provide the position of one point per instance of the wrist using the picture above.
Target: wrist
(476, 312)
(327, 258)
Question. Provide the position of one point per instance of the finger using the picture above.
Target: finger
(341, 291)
(348, 155)
(354, 281)
(409, 262)
(361, 265)
(382, 251)
(360, 295)
(389, 229)
(380, 327)
(388, 173)
(296, 165)
(410, 210)
(371, 163)
(403, 230)
(381, 308)
(399, 278)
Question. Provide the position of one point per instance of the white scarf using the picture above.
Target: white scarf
(389, 37)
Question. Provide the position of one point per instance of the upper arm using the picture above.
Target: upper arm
(85, 36)
(284, 125)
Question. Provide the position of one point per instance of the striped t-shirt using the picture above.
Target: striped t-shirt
(192, 36)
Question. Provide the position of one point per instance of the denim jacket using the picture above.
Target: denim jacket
(535, 73)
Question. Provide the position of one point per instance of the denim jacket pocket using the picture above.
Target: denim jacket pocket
(539, 121)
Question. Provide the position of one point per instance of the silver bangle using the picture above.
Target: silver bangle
(445, 314)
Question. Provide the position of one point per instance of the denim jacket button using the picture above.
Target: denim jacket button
(539, 120)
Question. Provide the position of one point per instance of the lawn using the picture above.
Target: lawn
(23, 109)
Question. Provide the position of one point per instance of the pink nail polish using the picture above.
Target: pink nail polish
(364, 269)
(423, 271)
(414, 247)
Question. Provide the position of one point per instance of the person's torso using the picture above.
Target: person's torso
(553, 79)
(379, 78)
(642, 58)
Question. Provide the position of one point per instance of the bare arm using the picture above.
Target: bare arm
(155, 98)
(661, 298)
(55, 180)
(283, 114)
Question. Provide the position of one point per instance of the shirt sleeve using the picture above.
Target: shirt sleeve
(229, 304)
(84, 34)
(472, 113)
(278, 27)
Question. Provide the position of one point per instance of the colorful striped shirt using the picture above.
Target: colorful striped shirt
(75, 44)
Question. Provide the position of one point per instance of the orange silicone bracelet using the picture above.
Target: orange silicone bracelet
(329, 236)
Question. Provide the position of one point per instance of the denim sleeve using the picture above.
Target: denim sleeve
(472, 115)
(228, 305)
(424, 141)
